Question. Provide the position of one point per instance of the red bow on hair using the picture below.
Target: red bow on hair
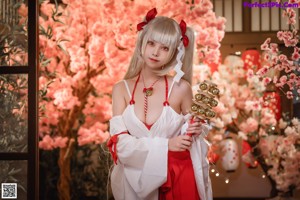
(150, 15)
(184, 38)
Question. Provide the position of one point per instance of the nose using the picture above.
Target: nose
(155, 51)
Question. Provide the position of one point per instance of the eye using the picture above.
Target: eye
(165, 48)
(150, 43)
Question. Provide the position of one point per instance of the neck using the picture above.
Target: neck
(149, 75)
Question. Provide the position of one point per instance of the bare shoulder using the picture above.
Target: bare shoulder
(118, 87)
(182, 95)
(182, 88)
(118, 98)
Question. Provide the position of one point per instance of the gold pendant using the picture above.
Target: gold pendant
(149, 92)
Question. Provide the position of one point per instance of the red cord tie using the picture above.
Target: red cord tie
(112, 146)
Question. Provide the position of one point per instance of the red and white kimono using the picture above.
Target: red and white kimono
(142, 155)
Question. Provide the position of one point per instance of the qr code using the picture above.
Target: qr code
(9, 191)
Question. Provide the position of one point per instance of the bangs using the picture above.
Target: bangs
(165, 35)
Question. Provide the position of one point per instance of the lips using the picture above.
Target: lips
(153, 60)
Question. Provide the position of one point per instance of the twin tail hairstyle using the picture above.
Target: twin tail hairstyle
(168, 32)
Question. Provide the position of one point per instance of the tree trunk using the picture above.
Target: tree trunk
(63, 185)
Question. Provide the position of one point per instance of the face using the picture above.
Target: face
(156, 54)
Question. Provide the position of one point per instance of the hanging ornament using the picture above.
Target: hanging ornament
(273, 102)
(230, 159)
(251, 58)
(247, 156)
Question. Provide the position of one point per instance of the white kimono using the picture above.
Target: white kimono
(143, 155)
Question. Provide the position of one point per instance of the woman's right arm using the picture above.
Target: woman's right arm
(118, 99)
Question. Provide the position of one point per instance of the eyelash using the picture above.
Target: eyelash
(150, 43)
(163, 48)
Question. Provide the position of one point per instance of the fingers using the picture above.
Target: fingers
(196, 124)
(185, 142)
(180, 143)
(194, 130)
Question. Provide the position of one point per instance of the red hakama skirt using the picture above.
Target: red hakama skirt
(180, 184)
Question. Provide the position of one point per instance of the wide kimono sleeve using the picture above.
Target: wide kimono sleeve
(141, 165)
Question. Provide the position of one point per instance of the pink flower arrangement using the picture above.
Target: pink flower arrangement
(279, 61)
(281, 153)
(243, 111)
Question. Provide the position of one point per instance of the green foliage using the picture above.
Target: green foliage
(13, 42)
(13, 113)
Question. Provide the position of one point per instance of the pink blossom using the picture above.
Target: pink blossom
(295, 56)
(282, 124)
(283, 79)
(289, 130)
(218, 123)
(268, 117)
(252, 124)
(46, 143)
(60, 142)
(243, 135)
(280, 35)
(50, 115)
(42, 82)
(47, 8)
(250, 73)
(265, 45)
(295, 121)
(266, 80)
(226, 118)
(92, 134)
(64, 99)
(252, 105)
(282, 57)
(262, 71)
(220, 108)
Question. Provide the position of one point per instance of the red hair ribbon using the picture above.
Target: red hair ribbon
(184, 38)
(150, 15)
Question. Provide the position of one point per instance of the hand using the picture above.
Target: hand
(180, 143)
(195, 126)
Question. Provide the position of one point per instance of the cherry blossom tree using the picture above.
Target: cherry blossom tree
(282, 63)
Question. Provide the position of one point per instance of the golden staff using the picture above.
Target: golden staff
(204, 101)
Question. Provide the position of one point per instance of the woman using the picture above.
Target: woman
(154, 157)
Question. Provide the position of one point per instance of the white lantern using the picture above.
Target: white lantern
(230, 159)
